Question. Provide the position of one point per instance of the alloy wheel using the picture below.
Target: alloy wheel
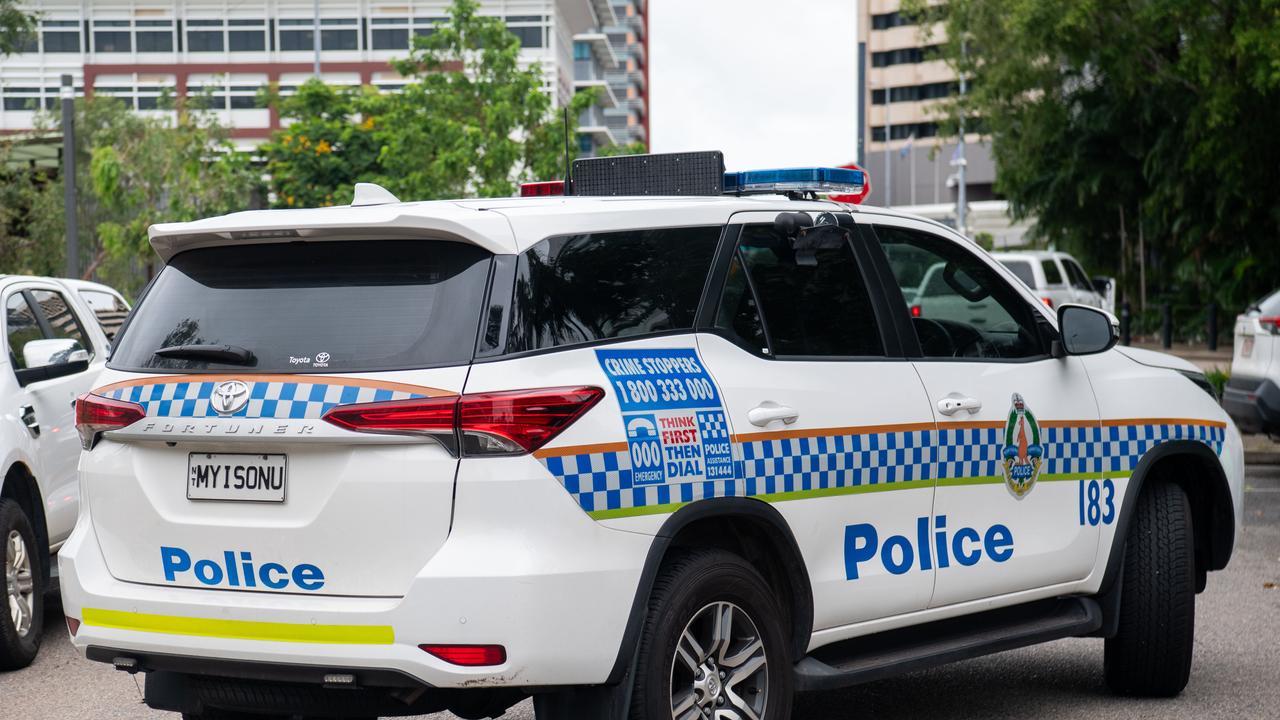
(720, 671)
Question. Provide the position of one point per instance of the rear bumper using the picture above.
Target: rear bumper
(523, 567)
(1254, 403)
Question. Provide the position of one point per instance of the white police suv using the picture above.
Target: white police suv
(667, 456)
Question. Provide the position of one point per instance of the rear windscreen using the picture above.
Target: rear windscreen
(1022, 269)
(313, 307)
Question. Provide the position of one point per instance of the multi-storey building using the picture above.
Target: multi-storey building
(910, 164)
(629, 80)
(138, 50)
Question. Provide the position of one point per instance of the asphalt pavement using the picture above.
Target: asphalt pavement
(1236, 671)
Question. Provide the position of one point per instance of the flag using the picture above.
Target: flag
(906, 149)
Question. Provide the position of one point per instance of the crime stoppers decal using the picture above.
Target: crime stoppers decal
(673, 416)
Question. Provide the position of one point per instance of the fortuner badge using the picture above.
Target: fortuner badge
(1023, 452)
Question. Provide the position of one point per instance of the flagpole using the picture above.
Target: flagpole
(888, 153)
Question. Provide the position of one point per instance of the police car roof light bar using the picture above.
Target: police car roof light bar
(795, 180)
(542, 189)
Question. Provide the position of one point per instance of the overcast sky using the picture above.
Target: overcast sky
(770, 83)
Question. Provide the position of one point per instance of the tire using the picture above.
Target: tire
(22, 603)
(1151, 653)
(752, 668)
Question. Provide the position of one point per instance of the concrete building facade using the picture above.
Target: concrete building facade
(138, 50)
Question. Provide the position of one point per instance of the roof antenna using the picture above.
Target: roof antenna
(568, 170)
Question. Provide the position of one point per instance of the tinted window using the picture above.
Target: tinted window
(583, 288)
(247, 40)
(964, 309)
(112, 41)
(390, 39)
(21, 328)
(1051, 274)
(1078, 278)
(62, 42)
(154, 41)
(739, 314)
(1022, 269)
(811, 293)
(320, 306)
(204, 41)
(109, 309)
(63, 322)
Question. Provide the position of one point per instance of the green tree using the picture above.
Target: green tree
(16, 28)
(469, 122)
(132, 171)
(1160, 112)
(631, 148)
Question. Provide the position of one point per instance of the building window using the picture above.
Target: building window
(529, 28)
(904, 131)
(154, 35)
(61, 36)
(22, 98)
(885, 21)
(247, 35)
(208, 38)
(581, 51)
(112, 41)
(346, 36)
(914, 93)
(903, 56)
(382, 37)
(293, 39)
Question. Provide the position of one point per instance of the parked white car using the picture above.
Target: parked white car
(108, 305)
(1252, 395)
(53, 350)
(1056, 277)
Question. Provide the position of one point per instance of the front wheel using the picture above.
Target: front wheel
(22, 619)
(1151, 653)
(714, 644)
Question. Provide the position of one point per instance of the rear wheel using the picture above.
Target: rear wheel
(22, 619)
(1151, 653)
(713, 645)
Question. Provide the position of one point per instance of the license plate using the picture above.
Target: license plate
(236, 477)
(1246, 347)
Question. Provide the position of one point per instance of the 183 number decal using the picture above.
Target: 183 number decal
(1097, 502)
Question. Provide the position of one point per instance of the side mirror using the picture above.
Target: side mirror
(1085, 330)
(42, 353)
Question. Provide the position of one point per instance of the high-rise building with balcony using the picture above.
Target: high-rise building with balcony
(138, 50)
(910, 164)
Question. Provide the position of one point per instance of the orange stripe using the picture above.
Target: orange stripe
(304, 379)
(816, 432)
(1068, 423)
(972, 425)
(1163, 421)
(580, 449)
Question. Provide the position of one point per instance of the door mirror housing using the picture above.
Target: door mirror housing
(1085, 330)
(53, 358)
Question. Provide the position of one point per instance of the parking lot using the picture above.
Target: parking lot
(1236, 672)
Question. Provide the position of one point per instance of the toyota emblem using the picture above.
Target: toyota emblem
(229, 397)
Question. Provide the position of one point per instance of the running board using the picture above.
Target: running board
(895, 652)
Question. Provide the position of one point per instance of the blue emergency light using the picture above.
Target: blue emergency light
(700, 173)
(795, 180)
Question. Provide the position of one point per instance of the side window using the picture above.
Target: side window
(1022, 269)
(1078, 279)
(960, 307)
(1051, 274)
(21, 328)
(109, 309)
(583, 288)
(798, 297)
(63, 323)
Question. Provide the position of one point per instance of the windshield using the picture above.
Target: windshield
(313, 307)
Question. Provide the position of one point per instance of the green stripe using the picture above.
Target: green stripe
(853, 490)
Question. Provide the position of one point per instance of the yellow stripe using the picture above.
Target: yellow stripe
(240, 629)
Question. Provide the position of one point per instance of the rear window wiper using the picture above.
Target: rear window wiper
(233, 354)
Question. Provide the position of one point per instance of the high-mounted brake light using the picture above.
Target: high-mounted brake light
(468, 655)
(500, 423)
(542, 189)
(96, 414)
(1048, 301)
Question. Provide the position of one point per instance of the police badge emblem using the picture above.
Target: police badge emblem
(1023, 453)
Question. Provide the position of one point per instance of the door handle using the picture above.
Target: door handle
(954, 403)
(768, 411)
(28, 415)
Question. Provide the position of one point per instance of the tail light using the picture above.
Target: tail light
(1048, 301)
(916, 311)
(468, 655)
(96, 414)
(1271, 324)
(500, 423)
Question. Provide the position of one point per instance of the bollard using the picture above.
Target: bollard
(1126, 316)
(1213, 326)
(1166, 326)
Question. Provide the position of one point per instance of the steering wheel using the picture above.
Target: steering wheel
(972, 343)
(935, 341)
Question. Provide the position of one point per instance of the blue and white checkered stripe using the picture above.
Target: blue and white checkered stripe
(267, 399)
(602, 480)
